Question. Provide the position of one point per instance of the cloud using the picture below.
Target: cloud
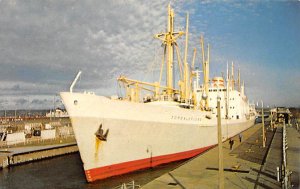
(43, 44)
(21, 102)
(16, 87)
(50, 41)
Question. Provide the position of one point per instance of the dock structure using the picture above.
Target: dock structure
(19, 155)
(247, 165)
(293, 155)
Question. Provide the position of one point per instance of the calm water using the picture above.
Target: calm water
(67, 172)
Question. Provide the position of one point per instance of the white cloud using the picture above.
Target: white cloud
(44, 43)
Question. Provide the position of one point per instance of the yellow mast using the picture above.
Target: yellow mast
(205, 65)
(169, 41)
(207, 78)
(186, 69)
(203, 55)
(170, 50)
(227, 91)
(169, 38)
(239, 80)
(194, 73)
(232, 76)
(194, 57)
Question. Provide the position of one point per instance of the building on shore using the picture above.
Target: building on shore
(57, 113)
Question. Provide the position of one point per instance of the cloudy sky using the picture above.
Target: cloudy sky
(43, 44)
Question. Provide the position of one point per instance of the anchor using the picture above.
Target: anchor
(99, 134)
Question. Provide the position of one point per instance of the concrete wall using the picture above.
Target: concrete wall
(48, 134)
(3, 161)
(65, 131)
(15, 138)
(6, 161)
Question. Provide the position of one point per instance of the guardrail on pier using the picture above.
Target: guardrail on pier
(130, 185)
(283, 174)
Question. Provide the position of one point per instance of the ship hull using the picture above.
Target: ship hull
(126, 167)
(139, 135)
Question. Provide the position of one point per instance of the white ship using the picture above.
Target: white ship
(119, 135)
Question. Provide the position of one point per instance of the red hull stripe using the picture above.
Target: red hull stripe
(126, 167)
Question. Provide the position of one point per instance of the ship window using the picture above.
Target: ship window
(75, 102)
(215, 90)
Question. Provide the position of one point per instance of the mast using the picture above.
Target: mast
(186, 71)
(194, 56)
(239, 80)
(243, 89)
(203, 55)
(232, 76)
(169, 38)
(205, 65)
(170, 50)
(227, 91)
(207, 78)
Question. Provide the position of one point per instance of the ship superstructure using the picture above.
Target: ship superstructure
(122, 134)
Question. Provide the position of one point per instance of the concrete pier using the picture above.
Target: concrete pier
(14, 156)
(293, 155)
(247, 165)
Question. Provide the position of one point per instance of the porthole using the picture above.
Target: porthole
(75, 102)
